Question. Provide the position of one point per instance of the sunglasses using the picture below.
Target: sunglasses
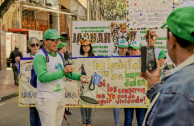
(33, 45)
(54, 40)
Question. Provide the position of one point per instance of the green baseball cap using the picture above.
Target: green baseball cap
(181, 23)
(128, 46)
(61, 45)
(51, 34)
(136, 45)
(122, 43)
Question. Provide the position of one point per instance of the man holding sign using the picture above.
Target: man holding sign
(50, 71)
(172, 103)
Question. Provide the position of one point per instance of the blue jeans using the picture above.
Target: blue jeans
(116, 114)
(140, 114)
(86, 115)
(34, 117)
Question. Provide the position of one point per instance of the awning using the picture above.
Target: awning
(21, 30)
(45, 9)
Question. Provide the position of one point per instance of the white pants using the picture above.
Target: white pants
(51, 111)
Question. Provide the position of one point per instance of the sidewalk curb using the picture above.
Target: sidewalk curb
(9, 96)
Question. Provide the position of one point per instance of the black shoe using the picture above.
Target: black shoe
(16, 84)
(67, 112)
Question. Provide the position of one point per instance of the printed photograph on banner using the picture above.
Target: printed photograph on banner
(147, 14)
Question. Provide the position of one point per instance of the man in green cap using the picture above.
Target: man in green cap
(62, 48)
(50, 71)
(172, 99)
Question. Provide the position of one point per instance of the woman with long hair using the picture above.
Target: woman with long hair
(86, 51)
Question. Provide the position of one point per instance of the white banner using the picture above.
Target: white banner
(100, 34)
(147, 14)
(105, 34)
(27, 93)
(120, 86)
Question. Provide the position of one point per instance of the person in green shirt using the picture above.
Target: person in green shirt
(50, 71)
(62, 48)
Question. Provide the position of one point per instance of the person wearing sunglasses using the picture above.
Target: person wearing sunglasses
(34, 46)
(50, 71)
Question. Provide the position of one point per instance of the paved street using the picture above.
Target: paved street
(7, 87)
(12, 115)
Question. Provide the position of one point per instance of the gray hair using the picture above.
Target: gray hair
(33, 39)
